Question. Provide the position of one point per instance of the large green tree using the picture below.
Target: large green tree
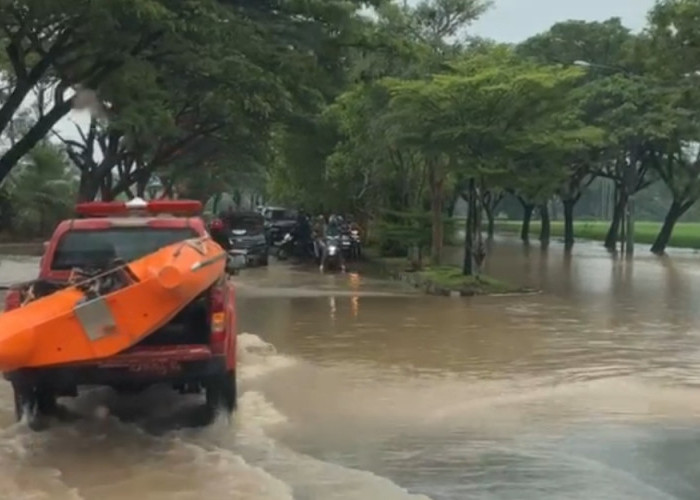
(166, 72)
(491, 112)
(605, 48)
(672, 55)
(77, 46)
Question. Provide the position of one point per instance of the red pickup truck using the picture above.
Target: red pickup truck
(194, 353)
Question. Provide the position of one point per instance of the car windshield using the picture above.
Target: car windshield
(281, 214)
(86, 248)
(250, 223)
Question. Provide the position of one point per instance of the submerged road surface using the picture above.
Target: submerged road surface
(355, 389)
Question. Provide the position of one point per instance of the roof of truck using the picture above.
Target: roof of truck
(134, 221)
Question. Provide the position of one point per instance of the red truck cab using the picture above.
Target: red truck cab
(194, 353)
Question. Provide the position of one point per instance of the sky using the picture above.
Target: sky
(515, 20)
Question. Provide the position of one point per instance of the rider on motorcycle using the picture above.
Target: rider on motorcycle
(354, 226)
(302, 231)
(318, 234)
(219, 232)
(332, 229)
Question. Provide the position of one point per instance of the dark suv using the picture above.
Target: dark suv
(278, 222)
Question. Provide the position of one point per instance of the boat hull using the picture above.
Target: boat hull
(72, 325)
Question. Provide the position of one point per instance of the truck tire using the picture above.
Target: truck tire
(34, 404)
(282, 253)
(221, 393)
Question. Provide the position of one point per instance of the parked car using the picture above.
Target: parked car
(278, 222)
(247, 236)
(195, 352)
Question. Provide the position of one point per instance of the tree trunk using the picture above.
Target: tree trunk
(141, 186)
(106, 193)
(613, 235)
(527, 218)
(89, 186)
(478, 242)
(568, 223)
(467, 264)
(674, 213)
(491, 224)
(545, 230)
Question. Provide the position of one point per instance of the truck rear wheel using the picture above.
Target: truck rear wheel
(221, 393)
(34, 404)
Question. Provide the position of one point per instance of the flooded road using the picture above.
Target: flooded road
(357, 389)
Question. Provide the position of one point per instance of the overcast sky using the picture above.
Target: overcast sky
(516, 20)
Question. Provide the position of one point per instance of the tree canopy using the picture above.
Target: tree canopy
(384, 109)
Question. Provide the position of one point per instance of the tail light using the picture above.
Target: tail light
(217, 225)
(13, 300)
(217, 336)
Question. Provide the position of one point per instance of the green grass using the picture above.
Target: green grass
(439, 280)
(451, 278)
(685, 234)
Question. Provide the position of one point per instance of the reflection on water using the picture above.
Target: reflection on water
(588, 390)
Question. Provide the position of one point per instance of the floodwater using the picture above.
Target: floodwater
(356, 389)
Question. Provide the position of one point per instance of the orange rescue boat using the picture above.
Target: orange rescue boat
(108, 313)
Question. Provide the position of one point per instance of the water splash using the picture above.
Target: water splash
(257, 358)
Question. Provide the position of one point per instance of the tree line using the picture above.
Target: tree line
(386, 110)
(190, 90)
(447, 117)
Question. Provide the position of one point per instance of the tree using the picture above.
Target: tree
(361, 167)
(635, 112)
(604, 46)
(147, 60)
(39, 192)
(671, 54)
(80, 45)
(491, 111)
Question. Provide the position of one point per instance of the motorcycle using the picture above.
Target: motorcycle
(357, 244)
(346, 244)
(290, 246)
(334, 251)
(285, 247)
(235, 262)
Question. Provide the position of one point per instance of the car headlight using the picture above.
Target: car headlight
(332, 249)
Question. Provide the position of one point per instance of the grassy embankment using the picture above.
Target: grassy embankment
(685, 234)
(442, 280)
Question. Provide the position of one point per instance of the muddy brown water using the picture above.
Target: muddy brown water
(353, 388)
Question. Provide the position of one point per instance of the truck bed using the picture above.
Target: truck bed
(191, 326)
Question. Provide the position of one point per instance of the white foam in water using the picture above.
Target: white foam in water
(254, 411)
(307, 476)
(107, 459)
(257, 358)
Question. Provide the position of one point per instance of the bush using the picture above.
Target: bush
(398, 232)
